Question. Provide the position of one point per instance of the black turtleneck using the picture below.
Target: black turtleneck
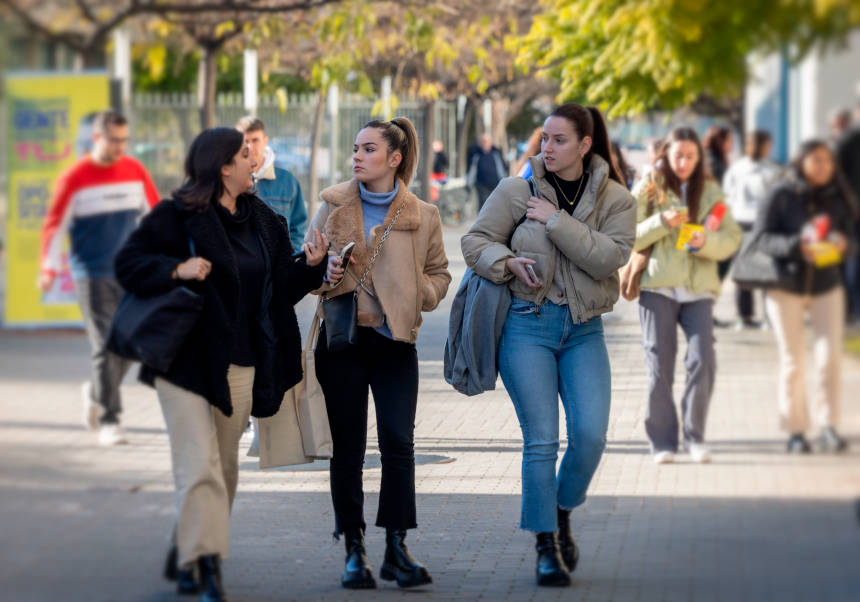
(568, 192)
(252, 269)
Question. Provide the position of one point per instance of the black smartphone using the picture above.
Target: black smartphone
(346, 253)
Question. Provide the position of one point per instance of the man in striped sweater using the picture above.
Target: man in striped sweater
(98, 201)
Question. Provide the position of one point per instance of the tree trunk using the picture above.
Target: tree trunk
(210, 72)
(498, 128)
(463, 137)
(426, 151)
(316, 137)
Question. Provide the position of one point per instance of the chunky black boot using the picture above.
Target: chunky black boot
(551, 570)
(399, 564)
(210, 579)
(566, 544)
(357, 574)
(186, 584)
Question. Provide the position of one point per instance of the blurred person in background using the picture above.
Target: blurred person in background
(486, 168)
(718, 143)
(810, 208)
(98, 201)
(840, 122)
(227, 368)
(523, 167)
(848, 156)
(679, 286)
(375, 211)
(747, 184)
(276, 187)
(281, 191)
(573, 236)
(622, 166)
(440, 162)
(653, 150)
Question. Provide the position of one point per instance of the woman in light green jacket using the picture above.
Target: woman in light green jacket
(679, 286)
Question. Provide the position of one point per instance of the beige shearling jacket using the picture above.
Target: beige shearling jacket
(410, 274)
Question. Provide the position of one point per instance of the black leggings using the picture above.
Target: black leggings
(390, 369)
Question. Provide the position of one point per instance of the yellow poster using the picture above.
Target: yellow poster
(48, 129)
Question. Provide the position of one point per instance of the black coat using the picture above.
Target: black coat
(144, 266)
(780, 220)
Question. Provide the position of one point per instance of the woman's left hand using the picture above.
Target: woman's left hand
(540, 209)
(697, 240)
(316, 249)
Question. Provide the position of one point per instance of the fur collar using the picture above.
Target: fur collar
(345, 223)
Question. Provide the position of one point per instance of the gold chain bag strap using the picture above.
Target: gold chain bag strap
(341, 312)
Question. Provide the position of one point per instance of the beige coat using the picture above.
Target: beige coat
(411, 273)
(587, 247)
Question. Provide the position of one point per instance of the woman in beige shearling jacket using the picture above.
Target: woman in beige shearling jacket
(578, 231)
(409, 275)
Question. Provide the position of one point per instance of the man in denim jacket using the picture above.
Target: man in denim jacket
(276, 187)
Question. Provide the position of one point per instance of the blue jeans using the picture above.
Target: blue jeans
(543, 354)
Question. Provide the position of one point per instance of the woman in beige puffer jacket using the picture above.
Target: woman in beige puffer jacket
(577, 232)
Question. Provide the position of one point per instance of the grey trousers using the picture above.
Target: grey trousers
(98, 298)
(660, 316)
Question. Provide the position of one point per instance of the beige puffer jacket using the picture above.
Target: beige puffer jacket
(588, 247)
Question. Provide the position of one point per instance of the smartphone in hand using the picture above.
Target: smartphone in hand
(346, 253)
(532, 273)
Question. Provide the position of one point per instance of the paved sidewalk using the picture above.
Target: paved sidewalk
(84, 523)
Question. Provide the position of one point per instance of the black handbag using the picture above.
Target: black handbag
(151, 329)
(340, 313)
(753, 268)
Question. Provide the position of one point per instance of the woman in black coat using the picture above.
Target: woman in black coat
(805, 219)
(244, 352)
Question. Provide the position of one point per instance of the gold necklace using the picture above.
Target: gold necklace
(561, 188)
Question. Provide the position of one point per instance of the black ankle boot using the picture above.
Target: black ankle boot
(186, 584)
(798, 444)
(357, 574)
(551, 570)
(210, 579)
(399, 564)
(566, 544)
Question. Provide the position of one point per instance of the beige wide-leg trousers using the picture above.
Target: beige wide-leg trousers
(787, 313)
(204, 447)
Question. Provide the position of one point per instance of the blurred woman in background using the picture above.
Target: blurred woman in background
(806, 225)
(679, 286)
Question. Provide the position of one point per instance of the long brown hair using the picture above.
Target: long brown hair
(696, 183)
(532, 149)
(588, 121)
(401, 136)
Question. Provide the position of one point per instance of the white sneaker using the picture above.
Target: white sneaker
(111, 434)
(91, 410)
(699, 453)
(664, 457)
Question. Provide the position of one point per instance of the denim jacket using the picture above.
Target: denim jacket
(282, 193)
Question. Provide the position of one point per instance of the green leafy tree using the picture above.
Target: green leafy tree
(629, 56)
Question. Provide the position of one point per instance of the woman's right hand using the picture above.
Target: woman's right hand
(195, 268)
(517, 267)
(334, 272)
(674, 218)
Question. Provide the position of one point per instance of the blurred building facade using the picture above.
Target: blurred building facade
(794, 102)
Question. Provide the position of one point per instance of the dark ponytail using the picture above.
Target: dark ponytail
(400, 135)
(589, 122)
